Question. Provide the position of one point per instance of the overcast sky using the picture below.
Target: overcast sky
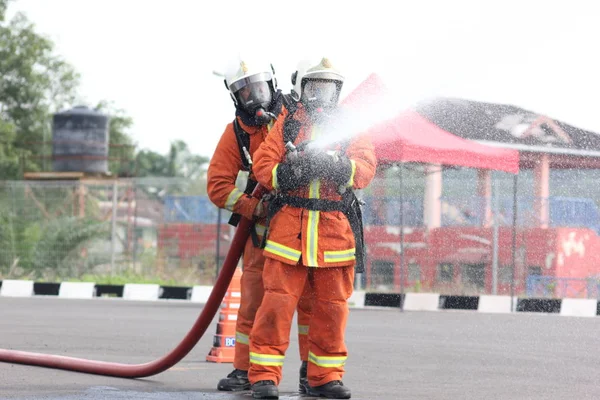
(155, 58)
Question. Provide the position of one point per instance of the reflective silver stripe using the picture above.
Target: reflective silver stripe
(241, 338)
(260, 229)
(233, 197)
(326, 362)
(267, 359)
(302, 329)
(337, 256)
(351, 180)
(282, 251)
(274, 182)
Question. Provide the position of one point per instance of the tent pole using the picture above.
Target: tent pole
(401, 165)
(514, 242)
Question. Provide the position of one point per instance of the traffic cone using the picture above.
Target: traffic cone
(223, 349)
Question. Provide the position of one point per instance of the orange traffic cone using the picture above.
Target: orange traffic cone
(223, 349)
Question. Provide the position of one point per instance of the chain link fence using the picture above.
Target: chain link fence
(166, 230)
(148, 229)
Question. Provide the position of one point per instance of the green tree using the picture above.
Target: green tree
(34, 82)
(179, 162)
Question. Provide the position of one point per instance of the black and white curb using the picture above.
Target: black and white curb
(359, 299)
(484, 303)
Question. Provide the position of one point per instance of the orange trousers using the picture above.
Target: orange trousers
(251, 297)
(269, 340)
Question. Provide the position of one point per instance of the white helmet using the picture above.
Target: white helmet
(317, 83)
(258, 77)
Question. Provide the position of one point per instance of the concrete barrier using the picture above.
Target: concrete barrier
(579, 307)
(141, 291)
(200, 294)
(77, 290)
(357, 300)
(16, 288)
(422, 302)
(495, 304)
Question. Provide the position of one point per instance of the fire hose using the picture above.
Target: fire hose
(178, 353)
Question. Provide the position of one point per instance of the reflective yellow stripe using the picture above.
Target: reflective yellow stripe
(351, 180)
(274, 182)
(233, 197)
(282, 251)
(340, 255)
(260, 229)
(326, 362)
(270, 125)
(302, 329)
(241, 338)
(312, 236)
(267, 359)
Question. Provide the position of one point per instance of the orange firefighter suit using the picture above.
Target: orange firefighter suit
(222, 174)
(298, 238)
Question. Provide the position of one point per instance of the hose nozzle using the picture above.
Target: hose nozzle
(290, 146)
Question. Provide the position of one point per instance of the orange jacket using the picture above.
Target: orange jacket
(226, 164)
(321, 238)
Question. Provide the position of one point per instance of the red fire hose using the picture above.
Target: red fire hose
(162, 364)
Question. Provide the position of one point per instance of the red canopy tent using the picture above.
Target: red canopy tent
(409, 137)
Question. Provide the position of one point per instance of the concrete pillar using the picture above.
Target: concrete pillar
(484, 195)
(379, 202)
(541, 176)
(432, 207)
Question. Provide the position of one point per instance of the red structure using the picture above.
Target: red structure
(188, 241)
(458, 260)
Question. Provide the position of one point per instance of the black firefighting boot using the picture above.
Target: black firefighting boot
(265, 390)
(235, 381)
(330, 390)
(303, 385)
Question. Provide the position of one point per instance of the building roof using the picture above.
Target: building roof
(509, 126)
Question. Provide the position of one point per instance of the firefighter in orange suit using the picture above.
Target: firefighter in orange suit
(258, 103)
(312, 234)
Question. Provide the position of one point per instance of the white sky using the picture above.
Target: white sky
(155, 58)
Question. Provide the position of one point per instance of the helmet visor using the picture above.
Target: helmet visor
(322, 92)
(254, 95)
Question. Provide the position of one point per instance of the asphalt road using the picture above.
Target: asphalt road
(393, 354)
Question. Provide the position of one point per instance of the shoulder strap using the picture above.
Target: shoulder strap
(289, 103)
(243, 141)
(291, 127)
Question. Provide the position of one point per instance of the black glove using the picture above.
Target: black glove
(313, 164)
(336, 169)
(341, 170)
(291, 176)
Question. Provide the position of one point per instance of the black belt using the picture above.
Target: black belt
(349, 206)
